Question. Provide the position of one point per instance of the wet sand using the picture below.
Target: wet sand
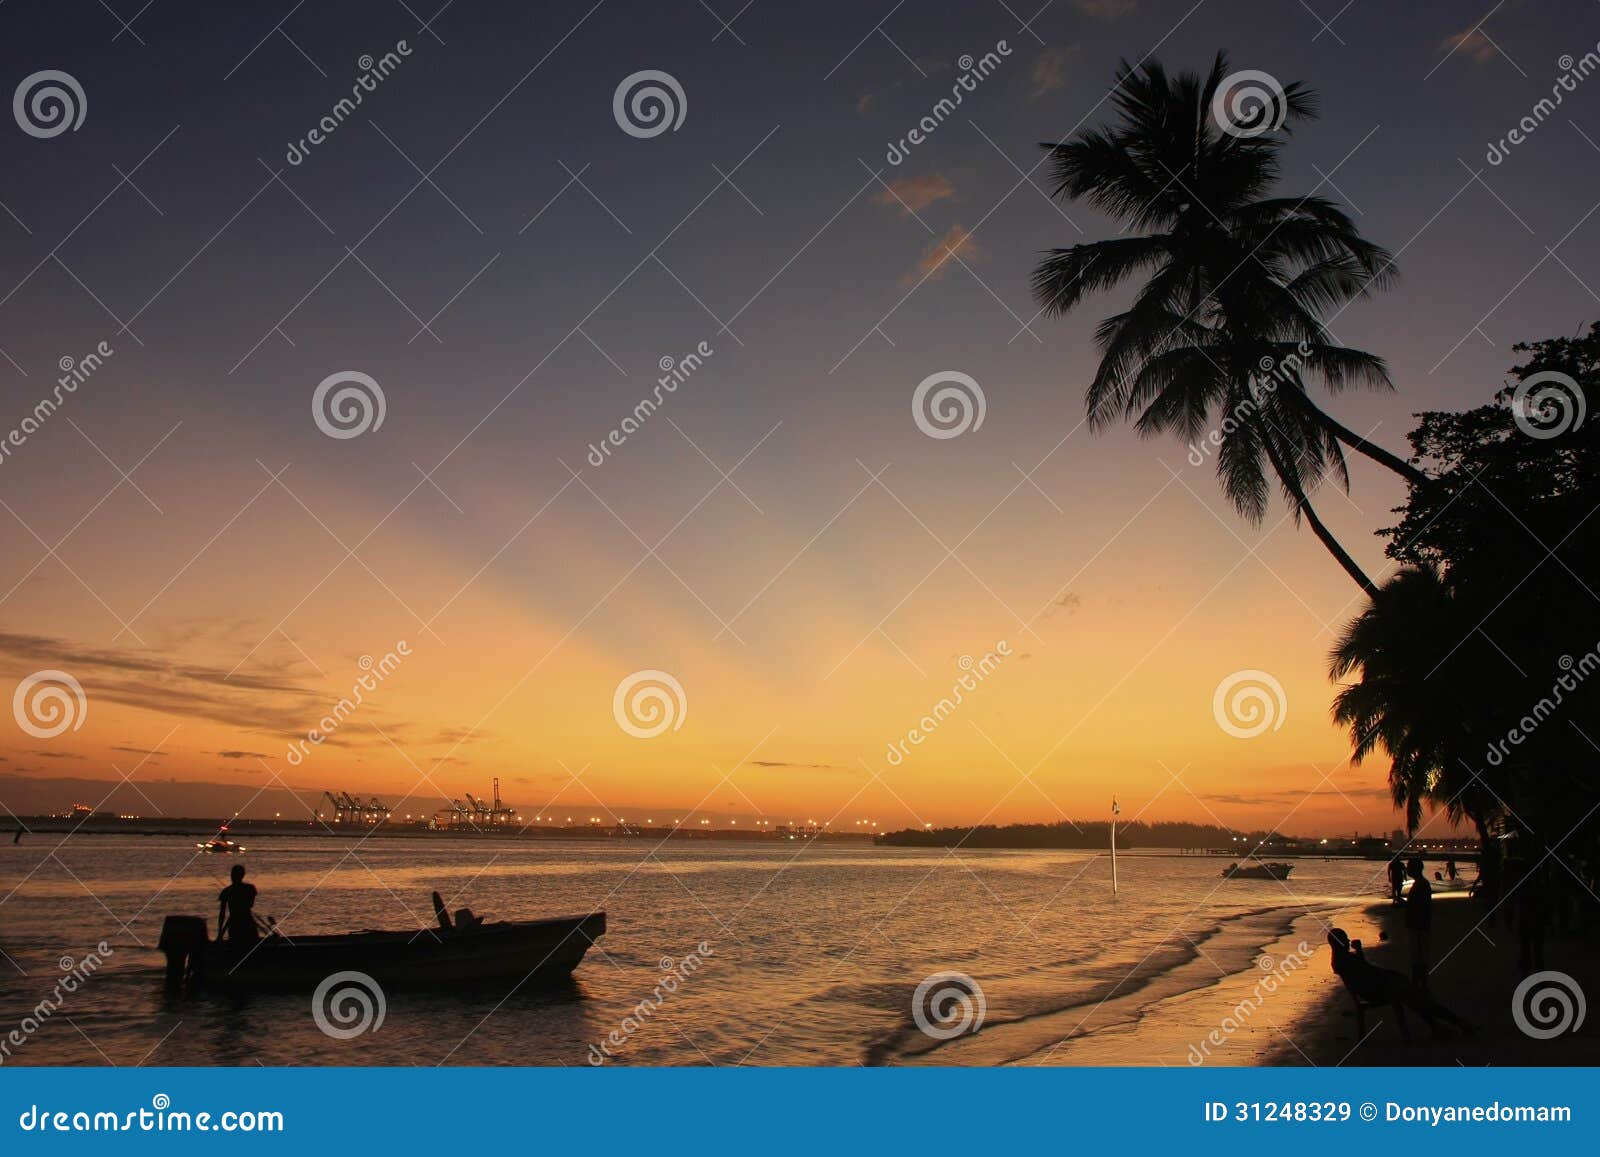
(1279, 1003)
(1250, 1014)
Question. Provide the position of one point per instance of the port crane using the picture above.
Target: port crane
(347, 809)
(338, 807)
(476, 813)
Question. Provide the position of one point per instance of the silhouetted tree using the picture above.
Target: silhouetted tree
(1226, 329)
(1479, 663)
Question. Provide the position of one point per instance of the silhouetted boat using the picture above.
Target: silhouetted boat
(503, 954)
(1266, 870)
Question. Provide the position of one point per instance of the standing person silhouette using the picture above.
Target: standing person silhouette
(1532, 904)
(1419, 921)
(235, 915)
(1397, 880)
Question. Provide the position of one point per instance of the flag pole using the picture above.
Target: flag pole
(1114, 810)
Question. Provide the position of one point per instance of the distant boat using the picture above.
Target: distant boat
(1445, 886)
(1266, 870)
(221, 844)
(531, 953)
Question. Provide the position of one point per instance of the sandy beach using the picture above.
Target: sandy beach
(1474, 974)
(1282, 1005)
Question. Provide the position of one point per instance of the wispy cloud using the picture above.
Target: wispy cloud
(1294, 795)
(1050, 69)
(941, 253)
(914, 194)
(1471, 43)
(1067, 603)
(253, 701)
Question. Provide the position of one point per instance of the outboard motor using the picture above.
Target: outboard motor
(184, 940)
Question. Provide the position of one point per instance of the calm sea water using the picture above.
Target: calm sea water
(815, 954)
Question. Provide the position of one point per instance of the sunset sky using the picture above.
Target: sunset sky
(779, 536)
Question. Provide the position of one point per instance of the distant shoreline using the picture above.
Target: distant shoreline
(204, 827)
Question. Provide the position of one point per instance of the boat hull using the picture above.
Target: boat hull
(532, 953)
(1259, 872)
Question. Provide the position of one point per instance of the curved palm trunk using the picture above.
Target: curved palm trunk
(1303, 506)
(1377, 453)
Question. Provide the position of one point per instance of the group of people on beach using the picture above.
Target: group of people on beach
(1529, 912)
(1418, 903)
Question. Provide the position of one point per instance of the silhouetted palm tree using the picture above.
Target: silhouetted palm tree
(1415, 651)
(1227, 326)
